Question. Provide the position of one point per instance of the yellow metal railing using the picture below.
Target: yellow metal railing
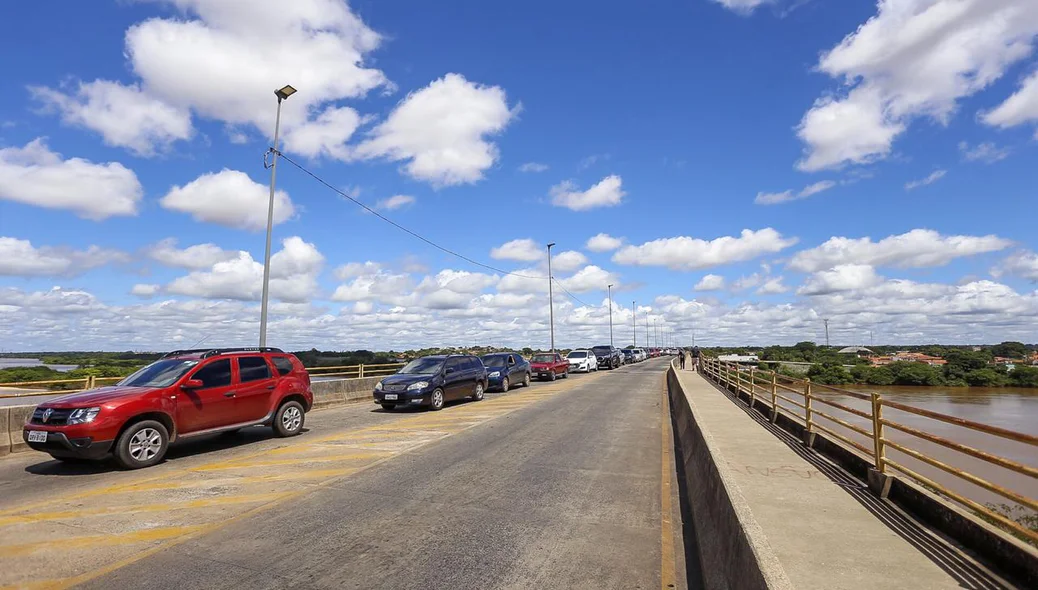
(90, 382)
(797, 399)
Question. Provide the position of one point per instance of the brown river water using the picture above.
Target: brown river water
(1010, 408)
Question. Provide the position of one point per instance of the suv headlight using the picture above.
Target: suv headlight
(378, 386)
(419, 385)
(83, 415)
(494, 374)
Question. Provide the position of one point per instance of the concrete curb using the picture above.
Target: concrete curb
(726, 529)
(5, 429)
(18, 415)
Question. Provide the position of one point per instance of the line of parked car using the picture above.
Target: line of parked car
(189, 393)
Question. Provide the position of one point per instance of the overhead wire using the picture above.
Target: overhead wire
(397, 225)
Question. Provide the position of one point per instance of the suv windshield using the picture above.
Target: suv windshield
(601, 350)
(494, 360)
(423, 366)
(577, 354)
(542, 358)
(160, 373)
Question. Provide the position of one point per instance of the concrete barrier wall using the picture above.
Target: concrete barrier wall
(326, 394)
(732, 547)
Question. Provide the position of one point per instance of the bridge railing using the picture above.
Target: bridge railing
(865, 429)
(65, 386)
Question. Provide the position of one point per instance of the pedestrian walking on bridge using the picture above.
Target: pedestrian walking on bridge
(682, 355)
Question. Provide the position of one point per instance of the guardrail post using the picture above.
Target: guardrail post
(90, 382)
(774, 396)
(753, 386)
(809, 435)
(878, 479)
(360, 371)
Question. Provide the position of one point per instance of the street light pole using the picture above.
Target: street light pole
(551, 302)
(282, 94)
(634, 323)
(609, 289)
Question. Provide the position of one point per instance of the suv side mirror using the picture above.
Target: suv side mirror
(193, 384)
(448, 370)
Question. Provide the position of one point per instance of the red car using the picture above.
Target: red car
(549, 366)
(186, 393)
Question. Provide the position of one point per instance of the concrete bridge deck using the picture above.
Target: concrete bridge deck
(811, 525)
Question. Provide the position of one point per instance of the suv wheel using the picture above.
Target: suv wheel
(526, 380)
(554, 376)
(565, 374)
(288, 421)
(142, 445)
(478, 394)
(436, 400)
(504, 385)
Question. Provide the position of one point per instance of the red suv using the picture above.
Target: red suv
(186, 393)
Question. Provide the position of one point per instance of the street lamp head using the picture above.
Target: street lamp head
(283, 93)
(550, 245)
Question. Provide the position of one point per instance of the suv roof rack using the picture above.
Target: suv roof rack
(208, 352)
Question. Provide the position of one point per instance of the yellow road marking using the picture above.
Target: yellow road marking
(65, 543)
(134, 509)
(295, 461)
(668, 577)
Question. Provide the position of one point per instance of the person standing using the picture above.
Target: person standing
(695, 358)
(682, 354)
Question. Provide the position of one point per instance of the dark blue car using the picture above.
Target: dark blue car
(505, 369)
(431, 381)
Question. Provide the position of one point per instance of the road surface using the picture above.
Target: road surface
(562, 485)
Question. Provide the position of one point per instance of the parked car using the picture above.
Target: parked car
(505, 369)
(640, 354)
(608, 356)
(582, 361)
(432, 381)
(184, 394)
(630, 357)
(549, 366)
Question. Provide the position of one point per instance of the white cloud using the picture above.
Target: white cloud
(395, 202)
(843, 277)
(442, 130)
(986, 152)
(224, 58)
(918, 248)
(1023, 264)
(145, 291)
(710, 282)
(533, 167)
(194, 257)
(124, 115)
(20, 258)
(353, 270)
(228, 198)
(747, 282)
(932, 178)
(293, 276)
(568, 261)
(590, 278)
(686, 253)
(914, 58)
(786, 196)
(325, 135)
(1020, 108)
(34, 175)
(607, 193)
(743, 7)
(772, 286)
(522, 250)
(603, 243)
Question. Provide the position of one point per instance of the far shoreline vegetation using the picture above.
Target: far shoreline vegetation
(964, 366)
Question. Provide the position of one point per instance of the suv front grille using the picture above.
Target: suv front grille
(56, 417)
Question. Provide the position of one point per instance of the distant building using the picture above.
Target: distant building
(908, 357)
(858, 350)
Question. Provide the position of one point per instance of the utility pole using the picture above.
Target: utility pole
(634, 322)
(609, 289)
(282, 94)
(551, 303)
(655, 334)
(826, 332)
(648, 342)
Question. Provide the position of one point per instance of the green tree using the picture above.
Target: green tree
(1013, 350)
(906, 373)
(829, 374)
(1024, 377)
(986, 378)
(872, 375)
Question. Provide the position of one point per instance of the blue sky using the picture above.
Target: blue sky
(753, 167)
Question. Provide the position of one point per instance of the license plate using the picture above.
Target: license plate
(390, 396)
(39, 436)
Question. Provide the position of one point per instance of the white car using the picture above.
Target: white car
(582, 361)
(639, 355)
